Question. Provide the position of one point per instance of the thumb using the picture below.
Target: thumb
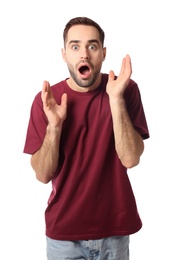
(111, 75)
(64, 100)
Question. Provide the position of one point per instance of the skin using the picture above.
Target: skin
(83, 49)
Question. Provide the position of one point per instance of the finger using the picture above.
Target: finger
(111, 75)
(128, 65)
(45, 92)
(64, 100)
(45, 87)
(122, 66)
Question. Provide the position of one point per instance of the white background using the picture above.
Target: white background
(30, 52)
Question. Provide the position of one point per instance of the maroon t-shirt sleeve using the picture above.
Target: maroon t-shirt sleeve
(135, 109)
(36, 126)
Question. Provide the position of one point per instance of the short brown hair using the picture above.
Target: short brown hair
(83, 21)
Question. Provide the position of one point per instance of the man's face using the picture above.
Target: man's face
(84, 55)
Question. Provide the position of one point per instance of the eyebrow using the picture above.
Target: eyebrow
(89, 41)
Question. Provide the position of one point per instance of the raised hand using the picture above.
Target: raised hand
(56, 113)
(116, 87)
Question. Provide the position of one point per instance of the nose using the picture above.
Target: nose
(85, 54)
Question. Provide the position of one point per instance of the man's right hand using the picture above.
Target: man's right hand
(56, 113)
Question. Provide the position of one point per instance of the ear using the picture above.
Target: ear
(63, 54)
(104, 53)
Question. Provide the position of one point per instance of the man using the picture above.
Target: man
(83, 134)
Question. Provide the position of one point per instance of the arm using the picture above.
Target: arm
(45, 160)
(129, 144)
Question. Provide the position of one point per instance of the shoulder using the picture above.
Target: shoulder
(60, 86)
(132, 89)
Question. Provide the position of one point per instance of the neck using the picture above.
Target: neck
(73, 85)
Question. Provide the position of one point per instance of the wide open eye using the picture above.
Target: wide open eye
(75, 47)
(92, 47)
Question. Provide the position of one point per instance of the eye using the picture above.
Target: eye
(75, 47)
(92, 47)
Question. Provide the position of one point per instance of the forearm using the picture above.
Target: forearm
(45, 160)
(129, 144)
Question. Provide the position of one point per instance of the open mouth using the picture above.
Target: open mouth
(84, 70)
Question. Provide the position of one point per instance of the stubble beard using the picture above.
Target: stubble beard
(84, 83)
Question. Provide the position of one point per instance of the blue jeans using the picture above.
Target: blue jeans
(111, 248)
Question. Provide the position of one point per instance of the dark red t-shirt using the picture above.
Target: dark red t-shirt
(91, 194)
